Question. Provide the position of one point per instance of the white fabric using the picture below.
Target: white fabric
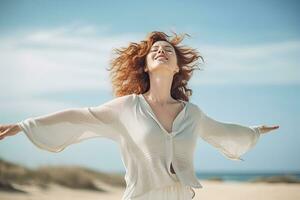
(176, 191)
(147, 149)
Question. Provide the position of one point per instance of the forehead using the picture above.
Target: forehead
(162, 43)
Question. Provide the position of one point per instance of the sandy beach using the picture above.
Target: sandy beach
(212, 190)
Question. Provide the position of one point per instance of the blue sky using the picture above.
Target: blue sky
(53, 56)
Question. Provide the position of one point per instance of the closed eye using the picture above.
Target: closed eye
(169, 50)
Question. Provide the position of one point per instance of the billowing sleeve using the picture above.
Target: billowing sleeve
(55, 131)
(231, 139)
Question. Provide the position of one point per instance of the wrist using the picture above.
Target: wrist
(17, 127)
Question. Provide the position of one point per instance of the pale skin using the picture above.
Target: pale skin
(161, 72)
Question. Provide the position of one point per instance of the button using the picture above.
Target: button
(169, 138)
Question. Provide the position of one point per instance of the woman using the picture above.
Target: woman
(151, 119)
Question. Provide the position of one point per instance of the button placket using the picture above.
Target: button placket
(171, 148)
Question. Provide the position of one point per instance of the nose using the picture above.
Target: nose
(161, 50)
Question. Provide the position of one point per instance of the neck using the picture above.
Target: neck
(160, 89)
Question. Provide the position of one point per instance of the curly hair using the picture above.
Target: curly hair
(127, 68)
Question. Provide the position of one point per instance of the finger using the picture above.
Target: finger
(4, 133)
(270, 127)
(3, 127)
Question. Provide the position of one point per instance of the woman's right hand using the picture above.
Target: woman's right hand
(9, 130)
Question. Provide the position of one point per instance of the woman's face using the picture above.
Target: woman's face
(162, 57)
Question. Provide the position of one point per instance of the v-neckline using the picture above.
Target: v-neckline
(156, 119)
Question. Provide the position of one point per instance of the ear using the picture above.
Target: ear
(177, 69)
(145, 67)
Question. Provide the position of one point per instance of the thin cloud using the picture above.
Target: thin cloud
(59, 59)
(55, 60)
(274, 63)
(73, 58)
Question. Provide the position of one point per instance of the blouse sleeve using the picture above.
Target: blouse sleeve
(231, 139)
(55, 131)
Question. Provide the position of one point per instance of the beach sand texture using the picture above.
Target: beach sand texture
(213, 190)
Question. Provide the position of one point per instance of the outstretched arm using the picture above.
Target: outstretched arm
(231, 139)
(55, 131)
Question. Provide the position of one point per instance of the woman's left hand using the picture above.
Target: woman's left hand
(266, 129)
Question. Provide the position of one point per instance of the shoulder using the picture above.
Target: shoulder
(195, 109)
(124, 100)
(129, 98)
(193, 106)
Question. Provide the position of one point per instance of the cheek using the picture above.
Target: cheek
(173, 58)
(149, 59)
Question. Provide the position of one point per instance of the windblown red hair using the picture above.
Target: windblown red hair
(127, 68)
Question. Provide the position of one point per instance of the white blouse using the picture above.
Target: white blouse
(147, 149)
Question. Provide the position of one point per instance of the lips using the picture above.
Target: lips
(161, 56)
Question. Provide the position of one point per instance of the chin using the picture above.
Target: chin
(161, 67)
(162, 64)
